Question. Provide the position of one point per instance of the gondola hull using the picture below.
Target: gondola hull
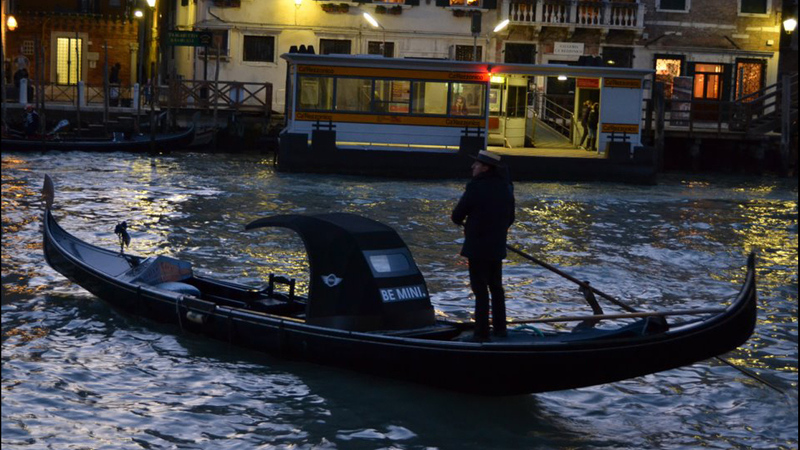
(138, 143)
(520, 364)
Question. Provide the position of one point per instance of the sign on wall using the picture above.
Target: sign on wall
(189, 38)
(568, 48)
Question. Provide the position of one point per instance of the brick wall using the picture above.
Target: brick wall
(120, 34)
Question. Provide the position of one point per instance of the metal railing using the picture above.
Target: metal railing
(553, 114)
(575, 13)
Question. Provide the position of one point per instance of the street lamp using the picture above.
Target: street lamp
(500, 26)
(376, 24)
(11, 23)
(789, 25)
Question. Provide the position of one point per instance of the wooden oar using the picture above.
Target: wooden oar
(571, 278)
(747, 372)
(685, 312)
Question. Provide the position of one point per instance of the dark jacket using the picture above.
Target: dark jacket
(592, 121)
(488, 207)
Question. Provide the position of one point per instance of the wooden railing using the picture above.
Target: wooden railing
(753, 114)
(189, 94)
(576, 13)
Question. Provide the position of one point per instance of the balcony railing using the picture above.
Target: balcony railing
(576, 14)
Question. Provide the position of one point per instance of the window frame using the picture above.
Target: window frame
(686, 10)
(211, 50)
(372, 110)
(273, 62)
(767, 9)
(349, 41)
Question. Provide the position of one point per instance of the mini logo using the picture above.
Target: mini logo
(331, 280)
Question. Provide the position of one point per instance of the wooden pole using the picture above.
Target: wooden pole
(3, 83)
(105, 87)
(786, 121)
(78, 91)
(216, 95)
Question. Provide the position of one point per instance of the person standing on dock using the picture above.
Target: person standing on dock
(592, 123)
(585, 109)
(487, 206)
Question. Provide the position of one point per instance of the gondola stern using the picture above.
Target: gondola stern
(48, 192)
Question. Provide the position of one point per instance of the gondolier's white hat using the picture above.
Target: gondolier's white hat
(488, 158)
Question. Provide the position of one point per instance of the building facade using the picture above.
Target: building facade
(67, 42)
(728, 48)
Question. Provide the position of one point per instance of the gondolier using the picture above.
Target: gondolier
(487, 205)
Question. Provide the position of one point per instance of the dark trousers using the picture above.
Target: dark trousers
(485, 277)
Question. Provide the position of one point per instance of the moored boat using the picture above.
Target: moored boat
(368, 309)
(117, 142)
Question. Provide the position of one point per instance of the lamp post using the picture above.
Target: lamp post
(376, 24)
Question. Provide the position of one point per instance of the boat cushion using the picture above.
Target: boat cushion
(181, 288)
(162, 269)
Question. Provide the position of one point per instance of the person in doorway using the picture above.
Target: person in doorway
(31, 121)
(113, 82)
(113, 77)
(486, 210)
(584, 118)
(459, 107)
(592, 124)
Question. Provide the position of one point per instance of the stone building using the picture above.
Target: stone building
(71, 40)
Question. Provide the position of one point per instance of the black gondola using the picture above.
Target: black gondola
(118, 142)
(368, 309)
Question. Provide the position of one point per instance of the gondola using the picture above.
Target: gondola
(368, 309)
(117, 142)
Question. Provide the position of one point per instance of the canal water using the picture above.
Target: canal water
(79, 374)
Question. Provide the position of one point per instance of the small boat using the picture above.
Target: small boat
(368, 309)
(116, 142)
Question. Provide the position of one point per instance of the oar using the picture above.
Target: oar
(571, 278)
(684, 312)
(747, 372)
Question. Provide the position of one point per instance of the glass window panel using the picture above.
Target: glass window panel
(699, 85)
(754, 6)
(749, 76)
(316, 93)
(666, 71)
(465, 53)
(381, 48)
(672, 5)
(712, 88)
(353, 94)
(332, 46)
(430, 97)
(68, 60)
(471, 94)
(259, 48)
(392, 96)
(708, 68)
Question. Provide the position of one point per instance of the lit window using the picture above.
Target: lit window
(68, 60)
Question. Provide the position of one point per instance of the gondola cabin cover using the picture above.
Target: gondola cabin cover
(362, 275)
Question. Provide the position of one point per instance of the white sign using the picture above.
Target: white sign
(568, 48)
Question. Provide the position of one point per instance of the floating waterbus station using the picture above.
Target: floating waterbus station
(397, 117)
